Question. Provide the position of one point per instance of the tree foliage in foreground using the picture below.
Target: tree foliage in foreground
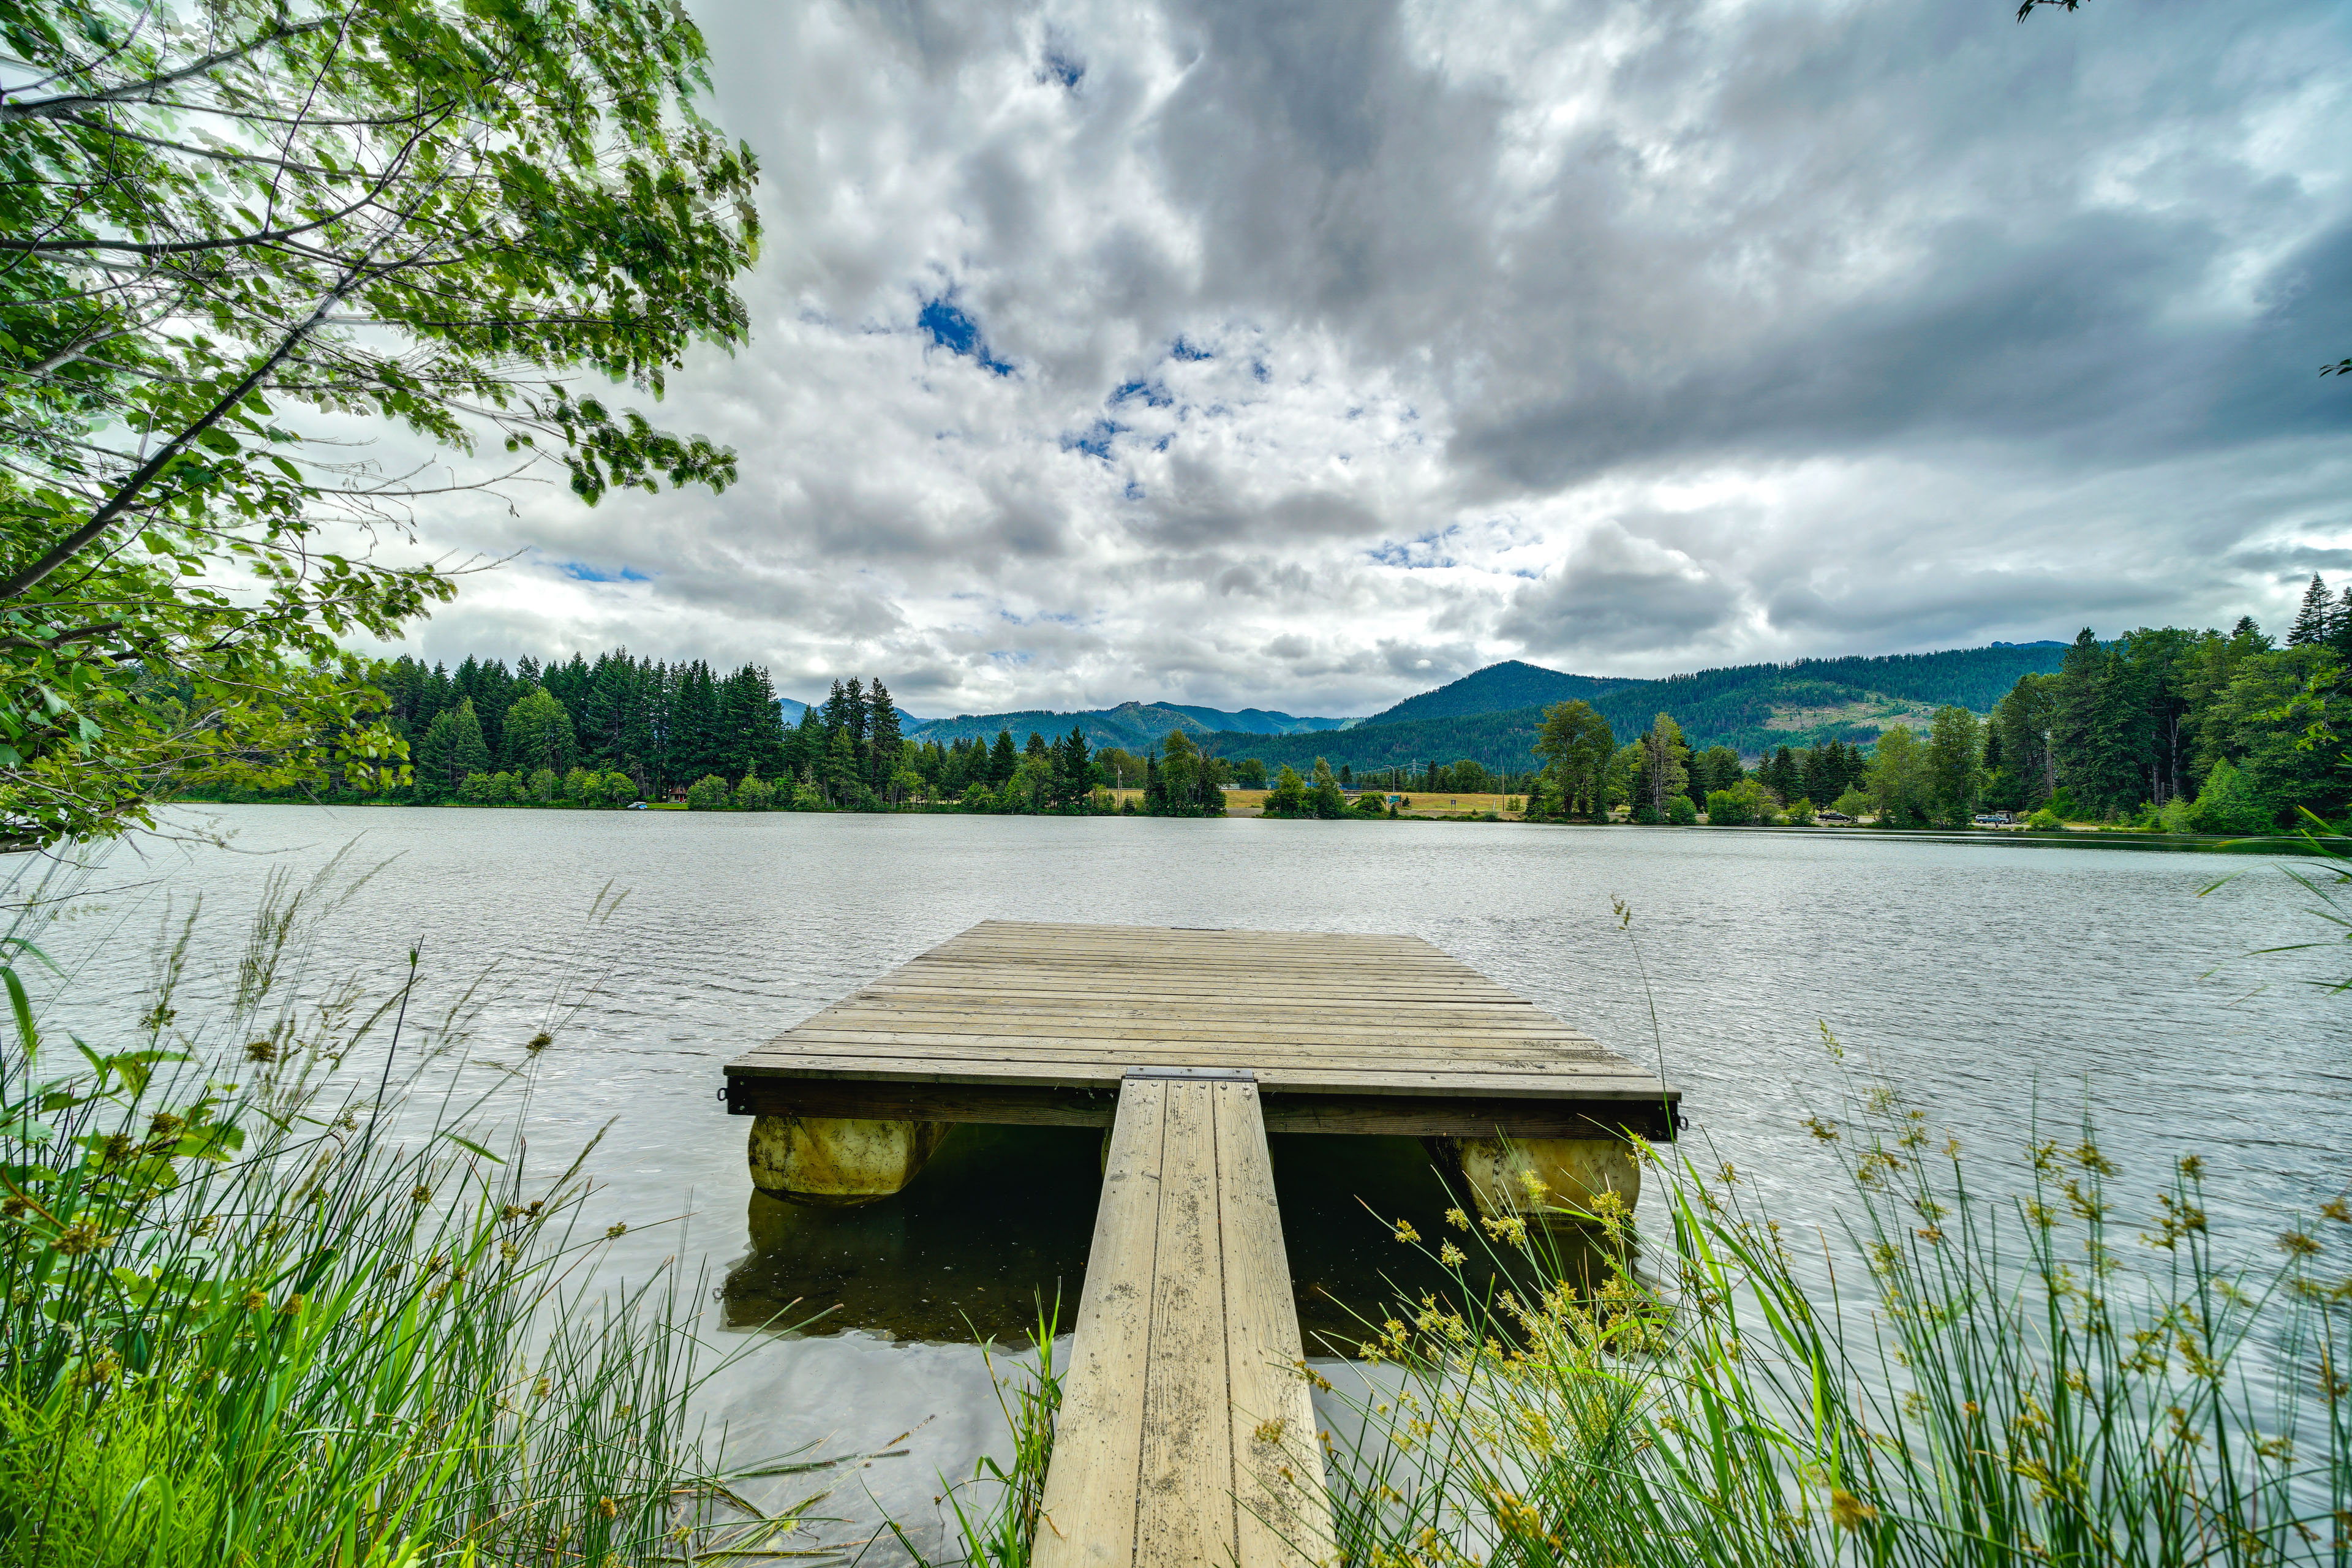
(405, 217)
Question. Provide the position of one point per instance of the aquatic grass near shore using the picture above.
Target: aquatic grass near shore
(2032, 1378)
(998, 1507)
(279, 1295)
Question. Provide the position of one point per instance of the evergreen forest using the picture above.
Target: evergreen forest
(621, 730)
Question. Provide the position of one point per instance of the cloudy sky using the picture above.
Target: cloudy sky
(1310, 355)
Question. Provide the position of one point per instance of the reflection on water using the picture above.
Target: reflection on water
(998, 1224)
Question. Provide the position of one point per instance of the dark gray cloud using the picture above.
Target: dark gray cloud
(1626, 337)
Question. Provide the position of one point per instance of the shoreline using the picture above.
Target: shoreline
(2092, 837)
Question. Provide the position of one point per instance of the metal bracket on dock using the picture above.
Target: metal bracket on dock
(1218, 1075)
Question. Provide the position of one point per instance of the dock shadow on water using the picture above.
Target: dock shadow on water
(1002, 1218)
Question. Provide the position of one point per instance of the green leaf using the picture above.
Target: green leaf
(21, 1006)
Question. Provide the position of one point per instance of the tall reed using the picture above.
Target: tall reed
(281, 1291)
(2027, 1378)
(998, 1507)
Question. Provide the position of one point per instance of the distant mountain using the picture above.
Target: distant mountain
(1750, 708)
(1131, 726)
(1498, 689)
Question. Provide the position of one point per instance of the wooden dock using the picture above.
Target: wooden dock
(1186, 1435)
(1019, 1023)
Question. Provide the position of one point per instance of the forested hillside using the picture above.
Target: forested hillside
(1752, 709)
(1130, 726)
(1499, 688)
(1502, 742)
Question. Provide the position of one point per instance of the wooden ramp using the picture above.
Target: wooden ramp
(1186, 1433)
(1013, 1022)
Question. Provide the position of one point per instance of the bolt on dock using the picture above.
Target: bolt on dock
(1186, 1433)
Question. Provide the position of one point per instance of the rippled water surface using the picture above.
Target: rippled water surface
(1982, 977)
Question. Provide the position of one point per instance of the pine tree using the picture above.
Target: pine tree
(2100, 726)
(693, 742)
(839, 777)
(882, 744)
(764, 747)
(854, 716)
(806, 745)
(539, 733)
(452, 748)
(836, 707)
(1002, 761)
(2311, 621)
(1072, 780)
(1951, 764)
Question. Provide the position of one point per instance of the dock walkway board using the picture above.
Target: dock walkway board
(1187, 1433)
(1019, 1022)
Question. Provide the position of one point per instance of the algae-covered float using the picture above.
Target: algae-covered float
(1186, 1433)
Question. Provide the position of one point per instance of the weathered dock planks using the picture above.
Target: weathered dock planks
(1187, 1435)
(1023, 1023)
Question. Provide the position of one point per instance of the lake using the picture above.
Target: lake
(1984, 978)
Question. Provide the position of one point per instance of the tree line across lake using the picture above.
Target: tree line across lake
(2180, 730)
(2203, 731)
(621, 728)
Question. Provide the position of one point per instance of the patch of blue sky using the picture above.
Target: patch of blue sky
(580, 571)
(954, 330)
(1154, 395)
(1095, 442)
(1258, 369)
(1164, 442)
(1412, 554)
(1134, 490)
(1058, 66)
(1185, 350)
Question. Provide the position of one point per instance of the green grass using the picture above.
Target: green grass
(277, 1294)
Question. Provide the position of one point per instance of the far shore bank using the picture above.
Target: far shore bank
(2072, 835)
